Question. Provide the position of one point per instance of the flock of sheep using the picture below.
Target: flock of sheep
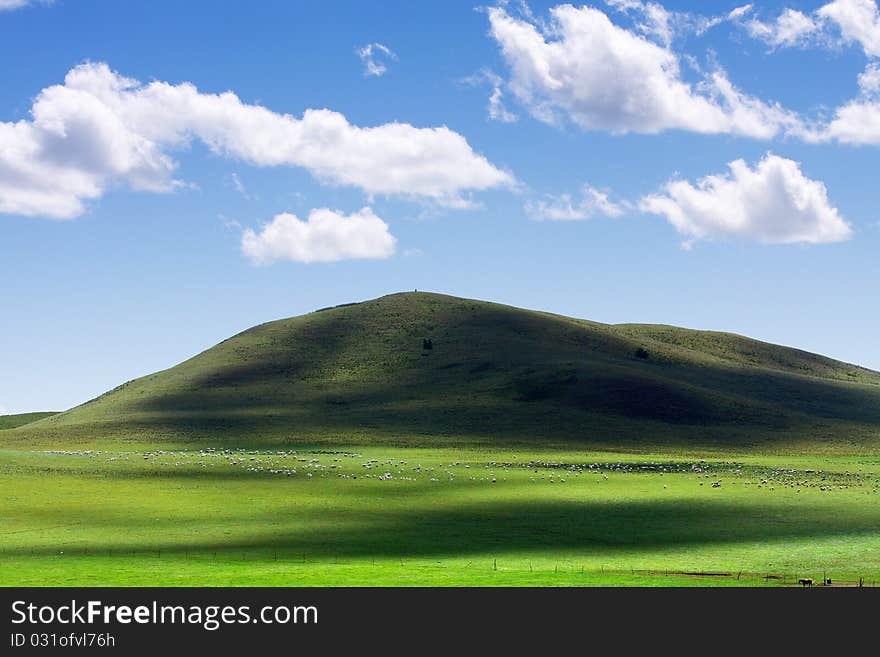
(349, 465)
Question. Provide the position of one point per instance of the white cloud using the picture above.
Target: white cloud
(869, 80)
(602, 77)
(657, 21)
(67, 154)
(846, 21)
(495, 108)
(563, 208)
(858, 121)
(231, 224)
(739, 12)
(375, 57)
(8, 5)
(772, 203)
(858, 20)
(99, 129)
(326, 236)
(791, 28)
(239, 185)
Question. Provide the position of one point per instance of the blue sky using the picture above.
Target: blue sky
(545, 156)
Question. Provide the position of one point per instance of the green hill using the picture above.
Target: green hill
(20, 419)
(361, 372)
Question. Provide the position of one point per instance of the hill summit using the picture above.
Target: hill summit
(428, 364)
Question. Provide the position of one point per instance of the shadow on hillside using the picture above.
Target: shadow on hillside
(496, 528)
(560, 403)
(451, 424)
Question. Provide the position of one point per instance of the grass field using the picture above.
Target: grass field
(22, 419)
(522, 448)
(496, 375)
(398, 516)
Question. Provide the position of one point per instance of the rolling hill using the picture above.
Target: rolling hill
(411, 365)
(21, 419)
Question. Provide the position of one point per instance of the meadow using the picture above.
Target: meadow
(367, 516)
(422, 439)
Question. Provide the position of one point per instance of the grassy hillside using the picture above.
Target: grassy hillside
(360, 372)
(20, 419)
(523, 448)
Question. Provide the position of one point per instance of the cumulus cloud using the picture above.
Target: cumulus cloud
(791, 28)
(858, 21)
(326, 236)
(839, 21)
(858, 121)
(584, 68)
(375, 57)
(564, 208)
(772, 203)
(99, 129)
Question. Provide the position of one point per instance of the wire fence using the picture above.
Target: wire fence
(806, 579)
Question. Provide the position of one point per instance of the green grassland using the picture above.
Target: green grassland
(523, 448)
(381, 516)
(21, 419)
